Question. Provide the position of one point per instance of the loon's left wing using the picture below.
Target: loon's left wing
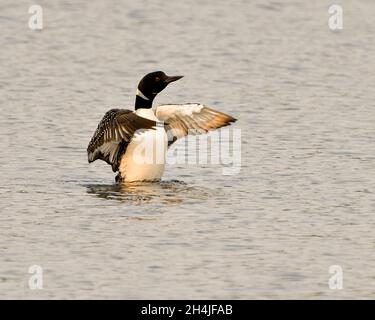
(191, 118)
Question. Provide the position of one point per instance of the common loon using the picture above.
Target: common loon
(135, 143)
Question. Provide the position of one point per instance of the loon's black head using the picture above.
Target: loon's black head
(150, 85)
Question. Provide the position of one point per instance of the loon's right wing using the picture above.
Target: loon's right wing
(113, 135)
(191, 118)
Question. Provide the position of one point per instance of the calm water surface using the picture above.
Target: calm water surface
(303, 201)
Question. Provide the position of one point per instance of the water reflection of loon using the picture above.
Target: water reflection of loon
(166, 192)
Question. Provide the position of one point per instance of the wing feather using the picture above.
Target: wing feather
(192, 118)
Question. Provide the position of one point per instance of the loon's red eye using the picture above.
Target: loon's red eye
(157, 79)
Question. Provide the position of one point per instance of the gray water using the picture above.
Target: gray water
(303, 201)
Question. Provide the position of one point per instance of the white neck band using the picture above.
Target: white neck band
(139, 93)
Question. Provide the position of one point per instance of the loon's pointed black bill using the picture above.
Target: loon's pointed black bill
(170, 79)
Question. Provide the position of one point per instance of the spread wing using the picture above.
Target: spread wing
(192, 118)
(113, 135)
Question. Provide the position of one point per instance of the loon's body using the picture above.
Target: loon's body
(139, 163)
(135, 143)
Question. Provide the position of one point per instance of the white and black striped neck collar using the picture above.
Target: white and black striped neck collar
(142, 101)
(140, 94)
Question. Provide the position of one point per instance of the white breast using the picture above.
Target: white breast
(146, 113)
(144, 159)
